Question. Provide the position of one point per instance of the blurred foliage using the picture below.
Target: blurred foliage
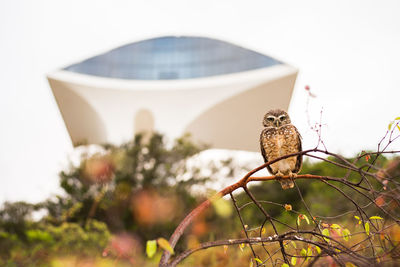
(119, 198)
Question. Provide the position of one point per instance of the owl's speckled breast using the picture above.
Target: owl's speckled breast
(279, 142)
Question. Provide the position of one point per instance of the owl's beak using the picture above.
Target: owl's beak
(277, 123)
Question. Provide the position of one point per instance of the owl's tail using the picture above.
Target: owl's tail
(286, 183)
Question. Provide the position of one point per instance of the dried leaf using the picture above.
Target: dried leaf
(288, 207)
(151, 248)
(164, 244)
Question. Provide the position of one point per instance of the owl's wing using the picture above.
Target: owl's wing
(299, 160)
(262, 136)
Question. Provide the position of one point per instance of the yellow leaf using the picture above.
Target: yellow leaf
(164, 244)
(258, 260)
(335, 226)
(366, 226)
(325, 232)
(346, 234)
(263, 230)
(241, 246)
(285, 265)
(251, 263)
(309, 252)
(151, 248)
(358, 218)
(318, 249)
(225, 248)
(349, 264)
(375, 218)
(303, 252)
(222, 207)
(306, 218)
(293, 244)
(293, 261)
(288, 207)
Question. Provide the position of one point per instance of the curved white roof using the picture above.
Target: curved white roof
(173, 58)
(212, 89)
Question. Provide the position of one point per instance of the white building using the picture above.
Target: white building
(215, 90)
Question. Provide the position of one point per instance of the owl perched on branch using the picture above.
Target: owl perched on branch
(279, 138)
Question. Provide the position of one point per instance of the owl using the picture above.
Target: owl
(279, 138)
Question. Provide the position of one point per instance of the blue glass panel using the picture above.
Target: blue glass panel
(168, 58)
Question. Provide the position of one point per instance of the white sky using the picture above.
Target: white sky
(347, 51)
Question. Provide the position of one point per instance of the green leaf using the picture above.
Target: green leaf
(164, 244)
(325, 232)
(318, 249)
(366, 226)
(258, 260)
(375, 218)
(346, 234)
(293, 261)
(151, 248)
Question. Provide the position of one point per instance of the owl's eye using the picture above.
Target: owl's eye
(270, 119)
(282, 118)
